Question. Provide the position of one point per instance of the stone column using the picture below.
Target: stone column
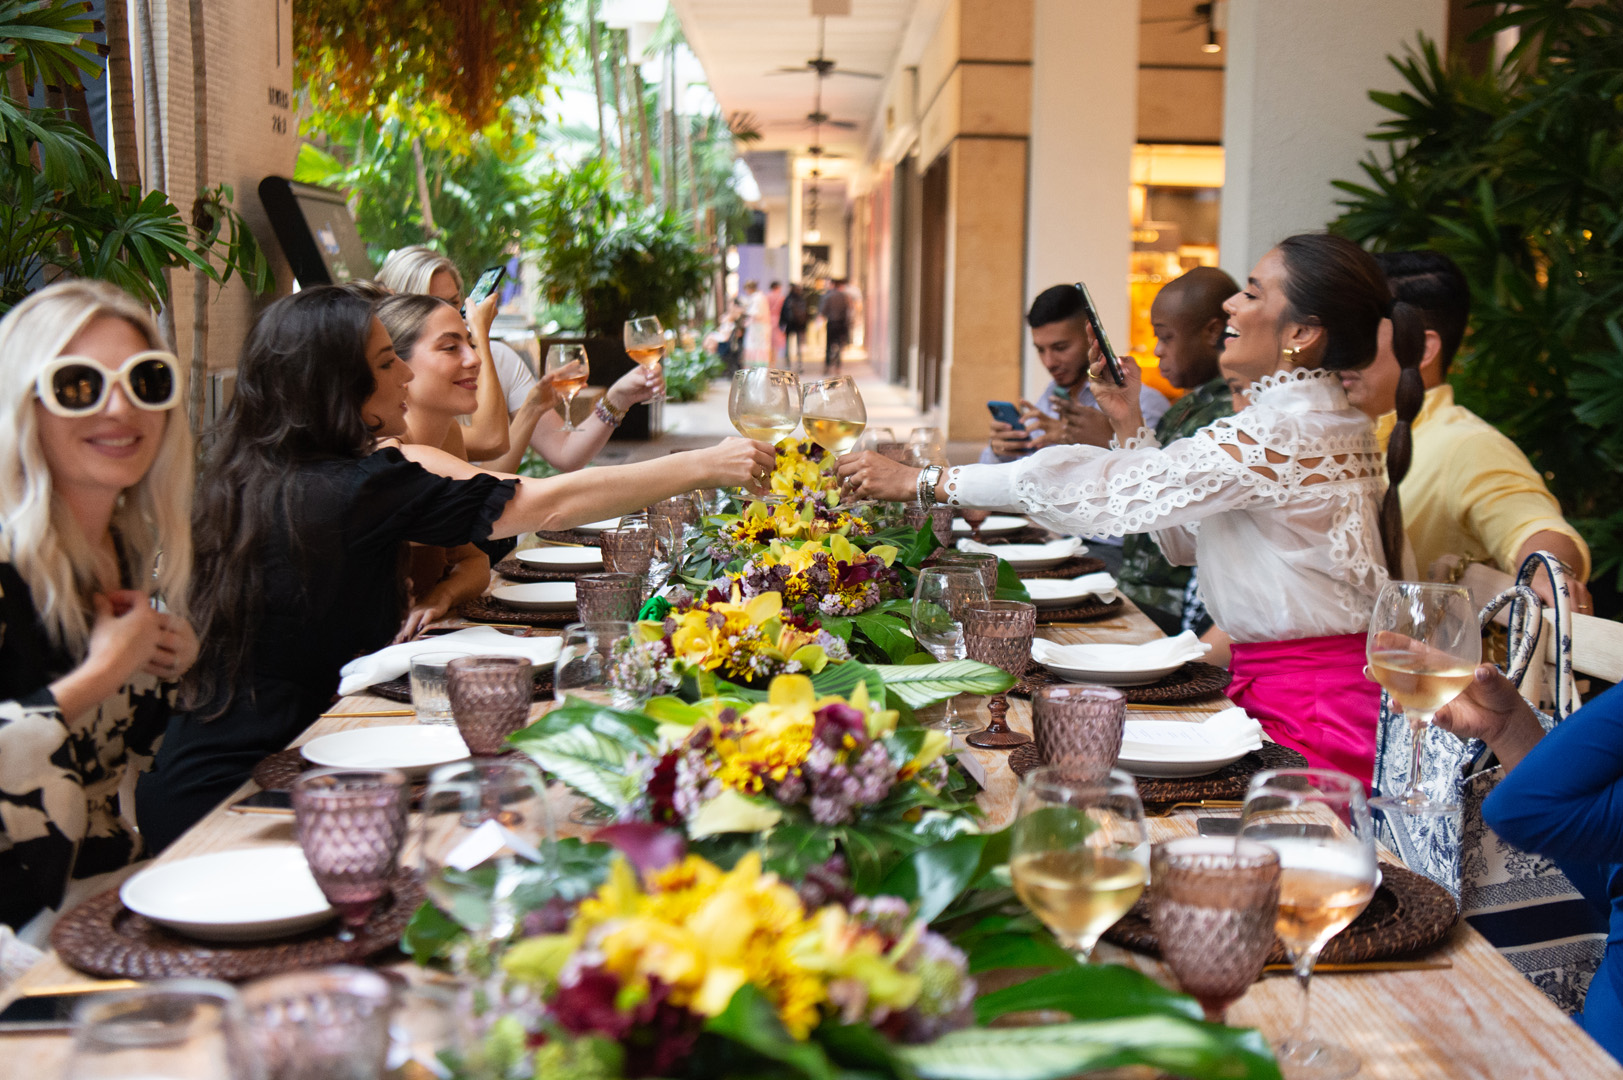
(1084, 122)
(1296, 109)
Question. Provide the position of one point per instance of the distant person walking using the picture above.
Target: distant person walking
(792, 321)
(774, 306)
(757, 327)
(837, 320)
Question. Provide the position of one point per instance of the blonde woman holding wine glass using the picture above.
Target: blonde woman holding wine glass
(1318, 823)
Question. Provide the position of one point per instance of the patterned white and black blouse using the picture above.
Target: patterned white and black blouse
(59, 779)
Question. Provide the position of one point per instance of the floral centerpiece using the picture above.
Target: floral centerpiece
(738, 536)
(652, 961)
(641, 966)
(828, 577)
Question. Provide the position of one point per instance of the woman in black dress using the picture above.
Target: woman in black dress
(300, 525)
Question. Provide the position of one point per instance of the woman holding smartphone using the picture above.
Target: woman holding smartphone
(1281, 505)
(300, 523)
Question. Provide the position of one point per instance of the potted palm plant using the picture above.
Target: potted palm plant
(618, 260)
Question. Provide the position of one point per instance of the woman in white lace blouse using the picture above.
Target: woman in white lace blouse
(1281, 504)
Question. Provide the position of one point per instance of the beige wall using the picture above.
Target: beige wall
(249, 74)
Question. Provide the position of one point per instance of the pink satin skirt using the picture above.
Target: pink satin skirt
(1311, 695)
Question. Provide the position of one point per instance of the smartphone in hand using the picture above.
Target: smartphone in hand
(1004, 412)
(487, 284)
(1112, 364)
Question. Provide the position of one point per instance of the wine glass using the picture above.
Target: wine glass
(350, 823)
(999, 632)
(1080, 853)
(1214, 902)
(586, 661)
(926, 446)
(1318, 823)
(833, 414)
(764, 404)
(321, 1023)
(185, 1029)
(938, 603)
(561, 356)
(1424, 646)
(485, 832)
(645, 342)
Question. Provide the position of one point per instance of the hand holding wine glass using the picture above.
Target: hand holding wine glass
(1080, 853)
(833, 413)
(568, 383)
(764, 404)
(1424, 644)
(645, 342)
(1318, 823)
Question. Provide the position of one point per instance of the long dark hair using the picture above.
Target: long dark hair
(301, 384)
(1336, 284)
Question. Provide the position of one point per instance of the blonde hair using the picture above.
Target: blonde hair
(410, 269)
(37, 533)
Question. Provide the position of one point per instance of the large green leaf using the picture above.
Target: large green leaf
(588, 761)
(750, 1020)
(1173, 1044)
(925, 684)
(932, 877)
(1087, 992)
(888, 631)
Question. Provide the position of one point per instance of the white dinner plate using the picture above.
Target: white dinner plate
(1167, 770)
(414, 749)
(1058, 592)
(599, 526)
(537, 596)
(246, 895)
(563, 558)
(996, 525)
(1034, 556)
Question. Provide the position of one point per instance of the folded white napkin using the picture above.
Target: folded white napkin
(1101, 585)
(1163, 652)
(1230, 732)
(1063, 548)
(395, 661)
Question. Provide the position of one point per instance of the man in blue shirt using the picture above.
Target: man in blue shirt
(1059, 330)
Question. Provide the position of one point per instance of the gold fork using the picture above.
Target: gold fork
(1203, 804)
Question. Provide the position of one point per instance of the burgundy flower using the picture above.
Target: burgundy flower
(550, 918)
(647, 847)
(662, 790)
(662, 1035)
(837, 722)
(586, 1006)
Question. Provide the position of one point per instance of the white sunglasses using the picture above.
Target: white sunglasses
(79, 385)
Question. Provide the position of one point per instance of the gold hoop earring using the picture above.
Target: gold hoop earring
(1293, 356)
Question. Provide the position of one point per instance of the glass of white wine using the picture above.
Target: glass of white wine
(938, 623)
(1080, 854)
(1318, 823)
(645, 341)
(833, 413)
(558, 358)
(1424, 645)
(764, 404)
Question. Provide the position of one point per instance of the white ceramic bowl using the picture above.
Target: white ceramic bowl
(537, 596)
(1057, 592)
(996, 525)
(563, 558)
(414, 749)
(246, 895)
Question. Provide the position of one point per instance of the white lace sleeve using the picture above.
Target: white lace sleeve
(1096, 492)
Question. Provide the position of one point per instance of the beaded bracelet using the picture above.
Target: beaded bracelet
(607, 415)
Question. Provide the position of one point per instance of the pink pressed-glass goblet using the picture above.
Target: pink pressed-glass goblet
(350, 823)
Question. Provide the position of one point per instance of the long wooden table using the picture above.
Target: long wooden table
(1478, 1018)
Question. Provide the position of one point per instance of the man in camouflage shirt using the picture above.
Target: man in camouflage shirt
(1188, 319)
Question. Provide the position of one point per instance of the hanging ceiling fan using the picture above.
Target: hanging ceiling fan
(1201, 15)
(823, 66)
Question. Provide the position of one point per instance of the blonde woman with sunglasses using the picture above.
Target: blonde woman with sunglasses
(95, 504)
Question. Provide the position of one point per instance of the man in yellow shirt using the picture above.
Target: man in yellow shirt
(1470, 492)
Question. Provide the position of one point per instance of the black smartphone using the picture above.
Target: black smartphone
(487, 283)
(264, 802)
(1218, 826)
(1005, 412)
(50, 1012)
(1112, 364)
